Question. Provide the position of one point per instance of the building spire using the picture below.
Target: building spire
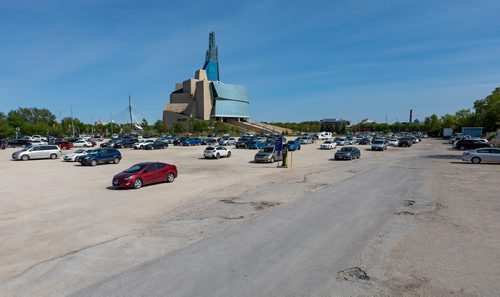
(212, 59)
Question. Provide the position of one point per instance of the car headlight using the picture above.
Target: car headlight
(128, 178)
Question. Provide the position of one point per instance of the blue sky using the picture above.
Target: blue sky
(300, 60)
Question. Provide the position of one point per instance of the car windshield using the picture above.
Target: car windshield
(79, 151)
(340, 139)
(210, 148)
(378, 142)
(266, 150)
(136, 168)
(346, 149)
(93, 152)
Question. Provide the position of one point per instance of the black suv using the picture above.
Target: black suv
(470, 144)
(3, 144)
(157, 144)
(101, 156)
(19, 142)
(405, 141)
(125, 143)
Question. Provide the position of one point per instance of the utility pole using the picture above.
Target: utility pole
(111, 113)
(72, 123)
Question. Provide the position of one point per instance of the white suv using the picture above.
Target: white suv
(142, 143)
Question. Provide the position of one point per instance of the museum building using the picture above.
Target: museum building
(205, 97)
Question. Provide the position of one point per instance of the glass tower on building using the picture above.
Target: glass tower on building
(212, 59)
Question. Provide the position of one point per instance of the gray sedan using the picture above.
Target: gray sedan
(482, 155)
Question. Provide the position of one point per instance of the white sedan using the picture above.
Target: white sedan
(73, 157)
(328, 145)
(216, 152)
(82, 143)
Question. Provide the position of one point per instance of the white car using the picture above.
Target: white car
(38, 142)
(393, 142)
(73, 157)
(216, 152)
(141, 143)
(227, 141)
(82, 143)
(328, 145)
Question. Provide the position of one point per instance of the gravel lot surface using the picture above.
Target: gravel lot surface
(64, 229)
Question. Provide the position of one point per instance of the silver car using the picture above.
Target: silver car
(38, 152)
(267, 154)
(227, 141)
(482, 155)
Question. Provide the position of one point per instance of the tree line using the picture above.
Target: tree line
(29, 121)
(485, 113)
(41, 121)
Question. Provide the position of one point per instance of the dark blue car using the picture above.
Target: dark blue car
(255, 144)
(191, 141)
(293, 145)
(101, 156)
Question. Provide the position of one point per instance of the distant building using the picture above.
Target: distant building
(205, 97)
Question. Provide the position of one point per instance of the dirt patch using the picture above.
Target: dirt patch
(352, 274)
(234, 218)
(261, 205)
(232, 200)
(409, 202)
(404, 213)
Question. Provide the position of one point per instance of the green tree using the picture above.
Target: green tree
(448, 121)
(159, 127)
(197, 126)
(178, 128)
(488, 111)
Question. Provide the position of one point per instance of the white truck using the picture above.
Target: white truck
(447, 133)
(324, 135)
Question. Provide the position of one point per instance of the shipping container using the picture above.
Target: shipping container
(473, 131)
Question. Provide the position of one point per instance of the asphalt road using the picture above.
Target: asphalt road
(291, 250)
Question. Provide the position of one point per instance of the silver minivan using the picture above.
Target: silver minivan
(38, 152)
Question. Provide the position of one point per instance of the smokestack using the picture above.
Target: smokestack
(411, 116)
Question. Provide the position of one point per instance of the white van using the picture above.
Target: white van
(38, 152)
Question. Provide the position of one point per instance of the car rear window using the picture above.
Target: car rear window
(210, 148)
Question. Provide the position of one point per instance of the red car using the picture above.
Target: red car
(65, 145)
(144, 174)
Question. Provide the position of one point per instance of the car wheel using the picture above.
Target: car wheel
(93, 163)
(53, 156)
(170, 177)
(206, 157)
(25, 158)
(272, 159)
(77, 159)
(228, 154)
(476, 160)
(116, 160)
(137, 183)
(462, 148)
(217, 156)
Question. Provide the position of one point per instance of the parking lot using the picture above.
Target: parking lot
(61, 219)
